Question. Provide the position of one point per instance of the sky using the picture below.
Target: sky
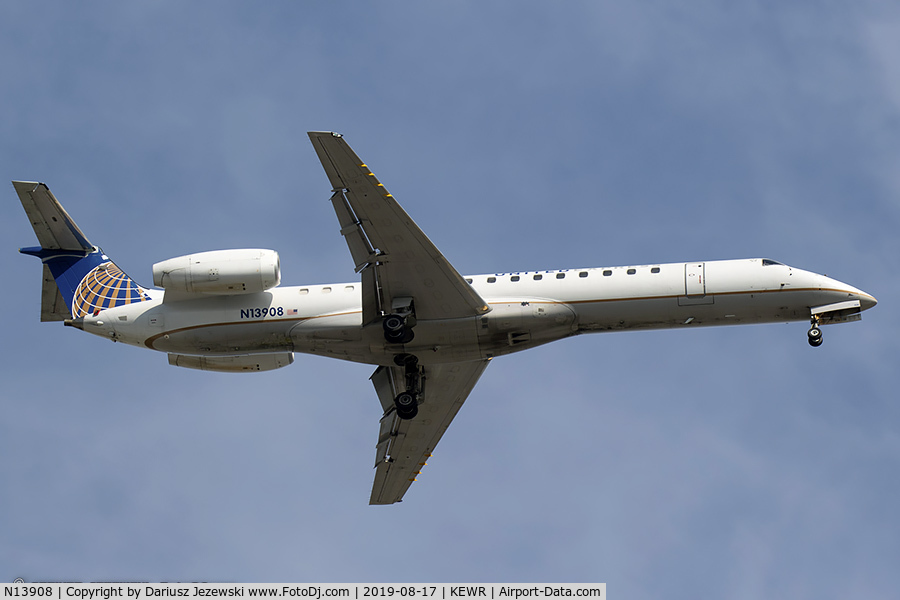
(729, 462)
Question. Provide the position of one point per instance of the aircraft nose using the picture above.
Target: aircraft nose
(845, 290)
(866, 301)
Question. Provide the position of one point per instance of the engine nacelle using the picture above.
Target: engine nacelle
(244, 363)
(220, 272)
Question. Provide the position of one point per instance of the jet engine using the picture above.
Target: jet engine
(244, 363)
(220, 272)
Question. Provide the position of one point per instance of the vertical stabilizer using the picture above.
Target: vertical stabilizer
(78, 279)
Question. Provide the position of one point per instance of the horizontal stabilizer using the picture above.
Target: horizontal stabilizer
(53, 226)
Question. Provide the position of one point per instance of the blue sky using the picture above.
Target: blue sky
(733, 462)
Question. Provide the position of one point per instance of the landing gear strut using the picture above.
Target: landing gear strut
(815, 334)
(407, 403)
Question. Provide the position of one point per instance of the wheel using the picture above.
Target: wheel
(396, 330)
(404, 336)
(393, 324)
(815, 337)
(409, 414)
(407, 406)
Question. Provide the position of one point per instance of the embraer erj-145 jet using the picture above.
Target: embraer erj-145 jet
(430, 331)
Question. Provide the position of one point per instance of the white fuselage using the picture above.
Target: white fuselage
(527, 309)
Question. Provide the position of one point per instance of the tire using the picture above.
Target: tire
(393, 324)
(396, 331)
(404, 336)
(407, 405)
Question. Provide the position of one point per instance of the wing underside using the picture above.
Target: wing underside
(404, 445)
(396, 258)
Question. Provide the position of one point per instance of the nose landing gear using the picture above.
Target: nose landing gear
(814, 334)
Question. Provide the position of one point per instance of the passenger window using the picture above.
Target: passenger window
(468, 281)
(631, 271)
(607, 273)
(348, 288)
(560, 275)
(654, 270)
(514, 278)
(538, 277)
(583, 274)
(304, 291)
(492, 280)
(326, 290)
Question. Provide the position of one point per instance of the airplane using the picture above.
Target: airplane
(429, 331)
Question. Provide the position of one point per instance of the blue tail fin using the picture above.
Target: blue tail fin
(78, 278)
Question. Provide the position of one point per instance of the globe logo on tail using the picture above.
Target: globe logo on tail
(105, 286)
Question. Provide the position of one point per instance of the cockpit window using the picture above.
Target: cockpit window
(768, 262)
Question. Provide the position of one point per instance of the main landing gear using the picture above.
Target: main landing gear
(814, 333)
(398, 324)
(397, 330)
(407, 403)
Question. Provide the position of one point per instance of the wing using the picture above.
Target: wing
(405, 445)
(396, 258)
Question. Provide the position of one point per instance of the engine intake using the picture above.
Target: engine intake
(220, 272)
